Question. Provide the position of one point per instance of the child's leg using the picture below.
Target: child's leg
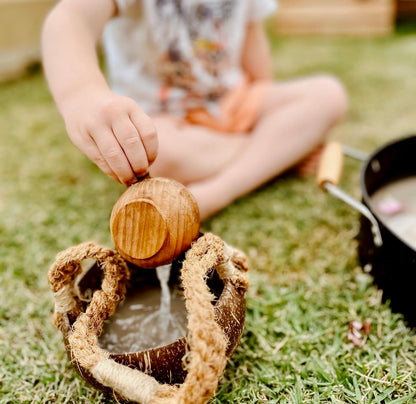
(295, 119)
(193, 153)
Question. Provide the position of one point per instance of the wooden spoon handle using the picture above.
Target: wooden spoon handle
(331, 164)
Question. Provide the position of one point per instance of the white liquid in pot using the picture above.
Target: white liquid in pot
(395, 203)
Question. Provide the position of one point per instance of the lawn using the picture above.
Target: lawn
(306, 283)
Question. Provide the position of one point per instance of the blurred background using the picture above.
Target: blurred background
(21, 21)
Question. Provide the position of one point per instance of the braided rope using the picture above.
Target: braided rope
(206, 360)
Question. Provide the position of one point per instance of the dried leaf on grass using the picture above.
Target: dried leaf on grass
(358, 330)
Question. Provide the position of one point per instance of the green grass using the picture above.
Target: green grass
(306, 284)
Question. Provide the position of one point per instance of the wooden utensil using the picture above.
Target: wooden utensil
(154, 221)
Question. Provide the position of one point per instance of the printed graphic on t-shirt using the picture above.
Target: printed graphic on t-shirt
(191, 38)
(175, 55)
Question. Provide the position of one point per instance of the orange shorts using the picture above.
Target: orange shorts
(240, 109)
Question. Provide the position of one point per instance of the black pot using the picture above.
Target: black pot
(383, 253)
(392, 264)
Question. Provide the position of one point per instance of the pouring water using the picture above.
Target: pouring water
(163, 324)
(150, 318)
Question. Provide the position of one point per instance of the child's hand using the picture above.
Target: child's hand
(113, 132)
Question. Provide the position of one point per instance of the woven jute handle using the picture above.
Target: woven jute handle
(206, 359)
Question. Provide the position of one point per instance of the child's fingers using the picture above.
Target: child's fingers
(131, 143)
(88, 146)
(147, 131)
(249, 108)
(232, 99)
(115, 134)
(91, 151)
(114, 156)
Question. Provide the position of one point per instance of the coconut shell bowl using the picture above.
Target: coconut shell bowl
(97, 292)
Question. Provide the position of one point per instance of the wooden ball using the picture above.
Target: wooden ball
(154, 221)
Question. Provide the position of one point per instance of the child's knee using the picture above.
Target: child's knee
(332, 94)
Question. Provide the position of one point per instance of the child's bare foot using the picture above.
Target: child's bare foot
(309, 165)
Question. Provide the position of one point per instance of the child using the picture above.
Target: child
(191, 83)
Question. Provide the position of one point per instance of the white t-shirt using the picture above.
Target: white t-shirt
(172, 55)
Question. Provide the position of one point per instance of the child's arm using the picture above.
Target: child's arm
(111, 130)
(256, 58)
